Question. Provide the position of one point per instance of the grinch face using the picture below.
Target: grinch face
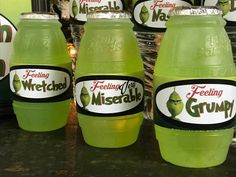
(16, 83)
(174, 104)
(74, 8)
(84, 97)
(144, 15)
(224, 5)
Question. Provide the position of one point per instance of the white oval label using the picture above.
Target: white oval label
(109, 95)
(39, 82)
(155, 13)
(79, 8)
(7, 34)
(202, 102)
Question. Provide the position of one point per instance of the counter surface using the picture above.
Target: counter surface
(63, 153)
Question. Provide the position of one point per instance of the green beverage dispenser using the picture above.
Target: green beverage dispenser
(40, 73)
(109, 81)
(194, 84)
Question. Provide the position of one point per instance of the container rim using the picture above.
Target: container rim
(109, 15)
(38, 16)
(195, 11)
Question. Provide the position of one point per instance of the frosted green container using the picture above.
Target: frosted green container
(40, 73)
(194, 83)
(109, 81)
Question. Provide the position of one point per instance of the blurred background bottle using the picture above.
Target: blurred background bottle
(9, 17)
(149, 17)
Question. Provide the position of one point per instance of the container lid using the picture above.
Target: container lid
(195, 10)
(39, 16)
(109, 15)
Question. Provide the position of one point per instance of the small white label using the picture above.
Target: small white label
(104, 96)
(36, 83)
(79, 8)
(155, 13)
(7, 34)
(202, 104)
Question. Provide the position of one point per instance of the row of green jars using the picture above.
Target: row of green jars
(109, 83)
